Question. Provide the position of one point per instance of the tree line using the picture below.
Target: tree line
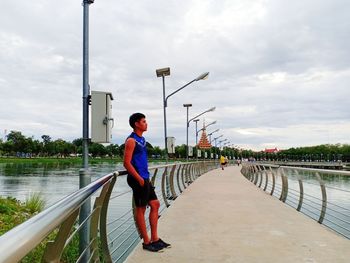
(17, 144)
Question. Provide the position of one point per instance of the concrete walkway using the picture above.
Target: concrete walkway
(222, 217)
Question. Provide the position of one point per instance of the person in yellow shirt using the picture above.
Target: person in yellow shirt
(222, 162)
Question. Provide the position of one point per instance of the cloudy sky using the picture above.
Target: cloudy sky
(279, 69)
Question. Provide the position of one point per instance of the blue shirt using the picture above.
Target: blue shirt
(139, 156)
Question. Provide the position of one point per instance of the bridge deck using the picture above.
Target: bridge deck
(222, 217)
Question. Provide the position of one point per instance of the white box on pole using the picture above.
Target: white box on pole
(101, 116)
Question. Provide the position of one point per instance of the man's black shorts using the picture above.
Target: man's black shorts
(142, 194)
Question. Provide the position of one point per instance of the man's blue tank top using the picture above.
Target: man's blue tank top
(139, 156)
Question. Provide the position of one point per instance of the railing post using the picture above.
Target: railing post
(103, 221)
(273, 182)
(178, 177)
(183, 173)
(324, 198)
(96, 217)
(54, 249)
(261, 175)
(171, 179)
(266, 178)
(153, 180)
(301, 191)
(163, 187)
(256, 174)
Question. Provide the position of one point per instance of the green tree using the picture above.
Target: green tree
(17, 141)
(97, 149)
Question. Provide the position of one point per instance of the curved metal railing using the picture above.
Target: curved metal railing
(307, 190)
(112, 232)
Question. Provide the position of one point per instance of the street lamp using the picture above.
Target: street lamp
(166, 72)
(215, 142)
(217, 138)
(221, 142)
(210, 134)
(196, 121)
(204, 127)
(193, 119)
(187, 106)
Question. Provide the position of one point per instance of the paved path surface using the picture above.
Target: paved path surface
(222, 217)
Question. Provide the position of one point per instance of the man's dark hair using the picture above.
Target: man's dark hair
(135, 118)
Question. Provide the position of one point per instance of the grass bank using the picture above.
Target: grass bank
(14, 212)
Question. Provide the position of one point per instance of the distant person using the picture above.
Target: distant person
(135, 162)
(226, 161)
(222, 162)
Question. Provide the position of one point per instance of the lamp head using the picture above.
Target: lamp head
(202, 76)
(162, 72)
(188, 105)
(212, 109)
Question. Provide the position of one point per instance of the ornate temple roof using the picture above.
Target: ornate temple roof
(203, 142)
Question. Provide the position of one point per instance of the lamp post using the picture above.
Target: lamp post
(187, 106)
(163, 72)
(221, 142)
(84, 176)
(196, 121)
(215, 142)
(210, 134)
(166, 72)
(217, 138)
(204, 127)
(188, 123)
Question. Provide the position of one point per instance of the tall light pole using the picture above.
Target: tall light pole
(215, 142)
(163, 72)
(196, 121)
(166, 72)
(217, 138)
(188, 123)
(204, 127)
(221, 142)
(84, 175)
(210, 134)
(187, 106)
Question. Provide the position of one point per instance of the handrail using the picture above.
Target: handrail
(19, 241)
(297, 196)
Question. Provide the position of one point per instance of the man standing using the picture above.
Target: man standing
(135, 162)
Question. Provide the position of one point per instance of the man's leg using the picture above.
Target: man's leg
(153, 219)
(140, 220)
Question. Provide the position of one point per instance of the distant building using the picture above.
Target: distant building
(275, 150)
(203, 142)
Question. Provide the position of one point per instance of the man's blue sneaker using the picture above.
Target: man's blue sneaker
(161, 243)
(151, 247)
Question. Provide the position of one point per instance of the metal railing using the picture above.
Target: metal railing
(306, 190)
(57, 226)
